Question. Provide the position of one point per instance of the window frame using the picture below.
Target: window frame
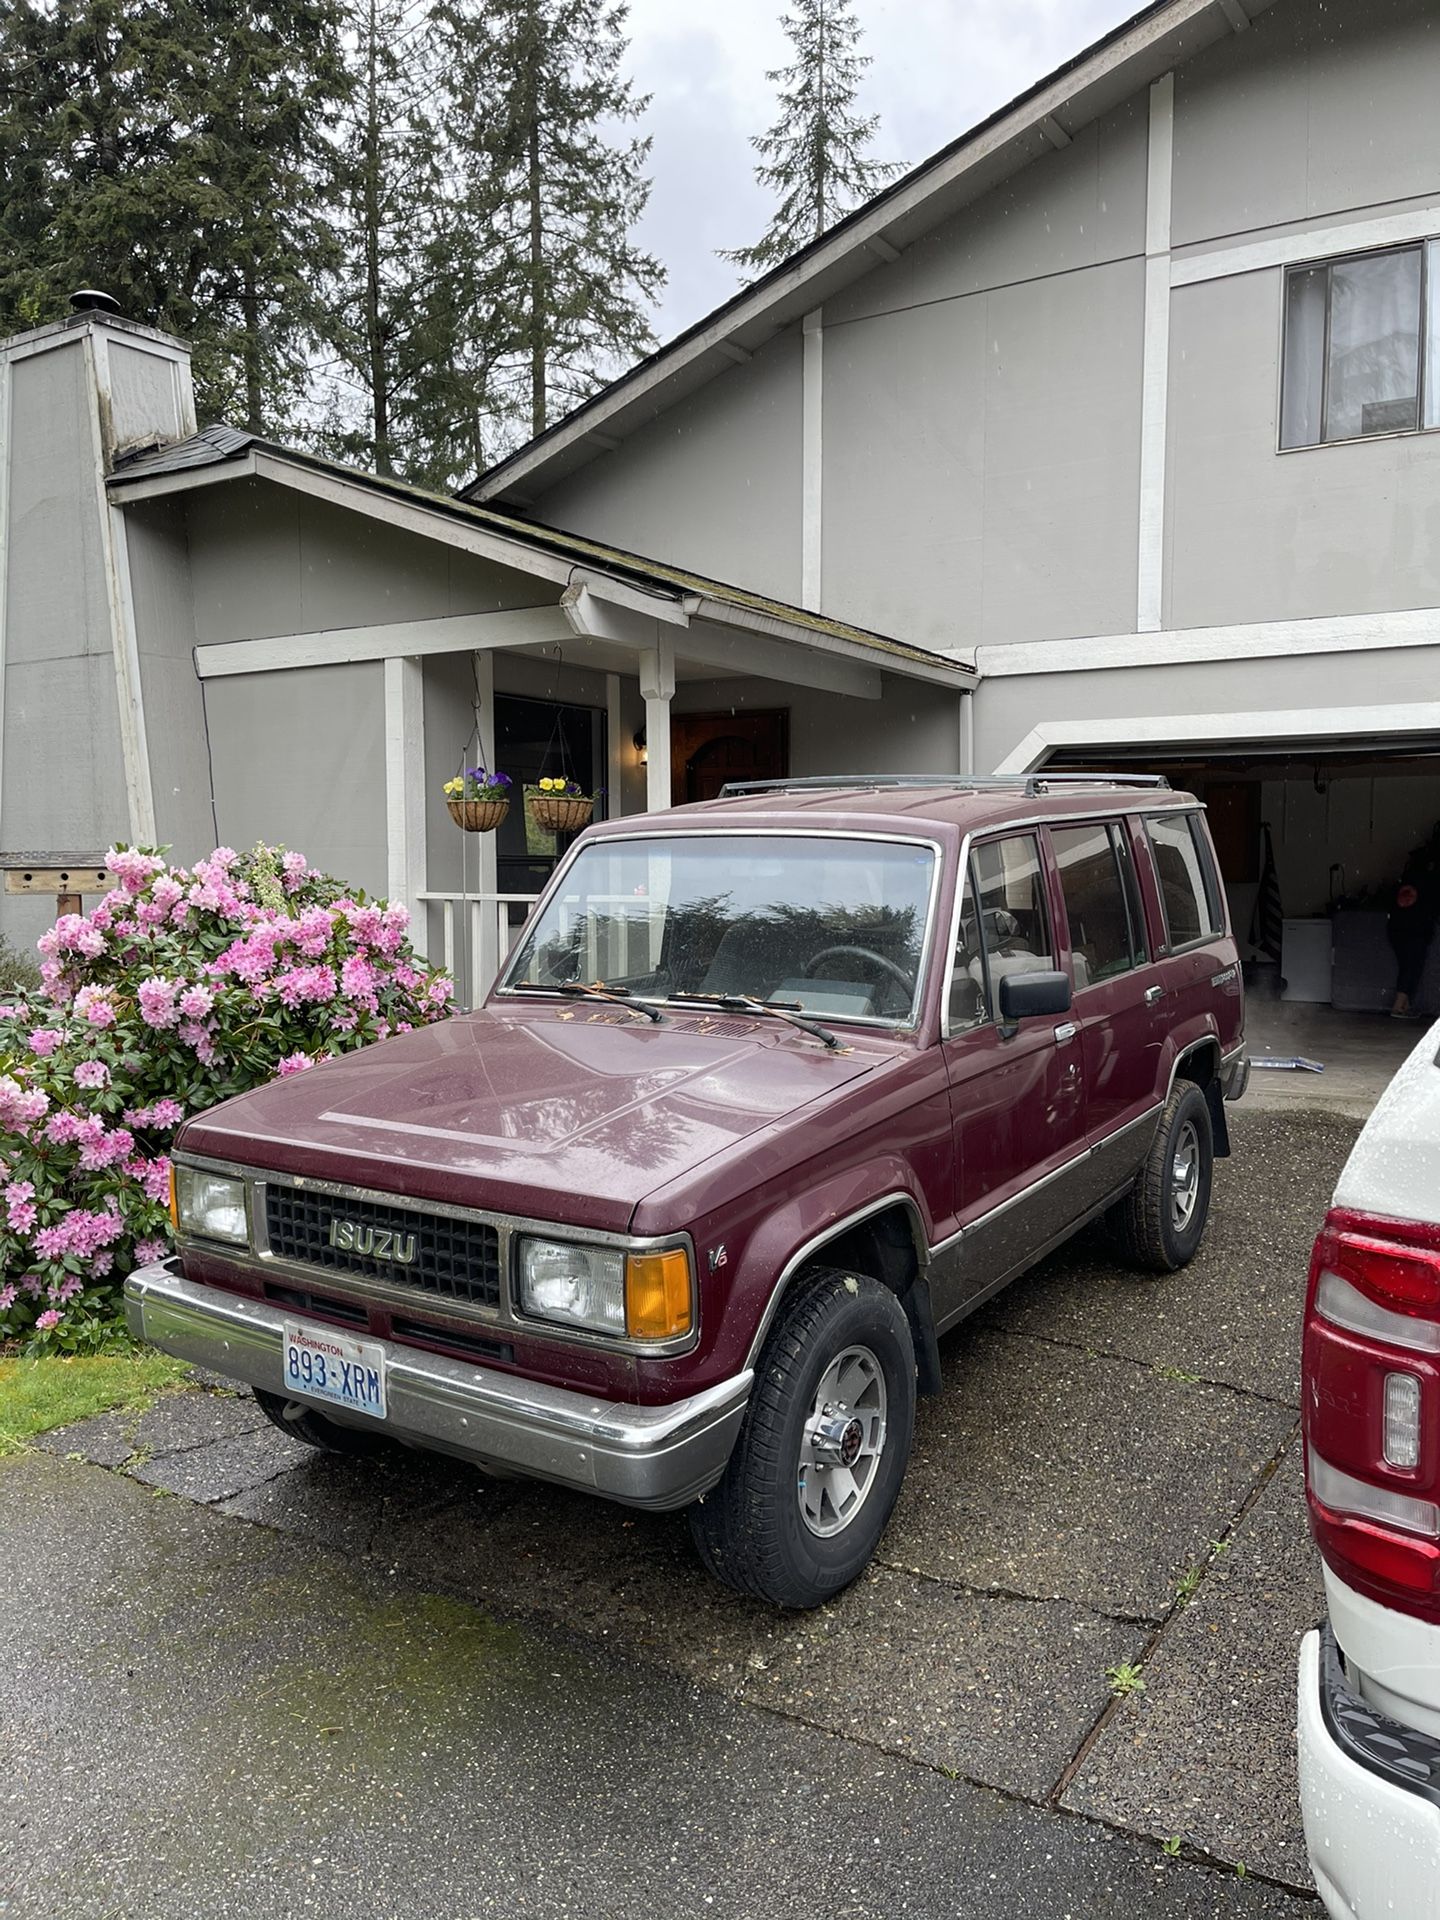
(1207, 902)
(967, 886)
(1423, 372)
(1136, 941)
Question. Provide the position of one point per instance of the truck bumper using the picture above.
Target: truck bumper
(655, 1457)
(1369, 1797)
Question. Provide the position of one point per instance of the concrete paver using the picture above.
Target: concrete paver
(1208, 1750)
(1063, 1475)
(1234, 1314)
(200, 1716)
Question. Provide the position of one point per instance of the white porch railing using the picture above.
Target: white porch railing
(473, 933)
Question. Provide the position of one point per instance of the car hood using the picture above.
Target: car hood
(562, 1113)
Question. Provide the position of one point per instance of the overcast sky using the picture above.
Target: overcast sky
(938, 67)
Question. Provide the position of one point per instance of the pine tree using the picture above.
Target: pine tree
(388, 177)
(175, 155)
(814, 157)
(538, 83)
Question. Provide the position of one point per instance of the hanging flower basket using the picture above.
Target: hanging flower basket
(477, 800)
(478, 816)
(560, 807)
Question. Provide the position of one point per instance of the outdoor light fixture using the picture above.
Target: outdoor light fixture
(641, 748)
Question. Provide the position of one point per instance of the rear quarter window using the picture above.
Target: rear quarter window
(1189, 890)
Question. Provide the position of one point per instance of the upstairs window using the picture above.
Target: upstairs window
(1362, 347)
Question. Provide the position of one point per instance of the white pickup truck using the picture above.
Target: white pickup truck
(1369, 1723)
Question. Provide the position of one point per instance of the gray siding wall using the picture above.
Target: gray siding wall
(267, 561)
(1388, 677)
(62, 785)
(174, 702)
(713, 484)
(299, 761)
(911, 726)
(982, 394)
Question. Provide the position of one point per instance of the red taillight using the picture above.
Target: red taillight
(1371, 1401)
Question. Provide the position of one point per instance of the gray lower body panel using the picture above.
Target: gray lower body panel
(656, 1457)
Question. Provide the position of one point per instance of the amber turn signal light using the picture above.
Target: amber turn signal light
(174, 1203)
(658, 1295)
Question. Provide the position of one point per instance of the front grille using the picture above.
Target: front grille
(455, 1260)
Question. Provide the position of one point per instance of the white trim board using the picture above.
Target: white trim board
(5, 381)
(405, 781)
(1182, 646)
(339, 646)
(1155, 378)
(812, 470)
(1225, 730)
(1313, 243)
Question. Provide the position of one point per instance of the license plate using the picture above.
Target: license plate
(323, 1365)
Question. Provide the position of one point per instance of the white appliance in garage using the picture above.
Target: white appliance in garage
(1305, 961)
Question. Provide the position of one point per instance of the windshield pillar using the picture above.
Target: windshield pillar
(657, 684)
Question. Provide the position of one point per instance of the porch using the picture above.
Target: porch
(327, 727)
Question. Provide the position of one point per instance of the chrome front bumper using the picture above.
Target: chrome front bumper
(657, 1457)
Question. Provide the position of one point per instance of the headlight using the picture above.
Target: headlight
(211, 1205)
(648, 1296)
(580, 1286)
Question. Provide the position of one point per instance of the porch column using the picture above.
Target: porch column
(489, 945)
(657, 684)
(405, 783)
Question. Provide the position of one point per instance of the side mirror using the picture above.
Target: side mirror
(1023, 995)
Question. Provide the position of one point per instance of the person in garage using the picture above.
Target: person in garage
(1412, 921)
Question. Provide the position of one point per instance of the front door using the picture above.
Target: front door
(1017, 1094)
(707, 749)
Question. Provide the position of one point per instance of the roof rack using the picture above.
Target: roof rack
(1026, 784)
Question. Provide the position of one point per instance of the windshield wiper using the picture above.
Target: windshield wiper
(597, 990)
(786, 1010)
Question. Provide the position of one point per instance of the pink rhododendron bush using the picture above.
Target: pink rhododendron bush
(181, 988)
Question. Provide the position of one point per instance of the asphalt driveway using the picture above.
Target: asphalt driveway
(235, 1672)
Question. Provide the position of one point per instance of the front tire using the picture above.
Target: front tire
(1160, 1222)
(817, 1468)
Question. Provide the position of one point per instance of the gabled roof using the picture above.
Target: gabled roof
(1048, 116)
(224, 452)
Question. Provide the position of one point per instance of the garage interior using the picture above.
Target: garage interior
(1342, 821)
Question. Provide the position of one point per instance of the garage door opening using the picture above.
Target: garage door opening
(1344, 826)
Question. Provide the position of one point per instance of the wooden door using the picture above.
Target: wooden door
(707, 749)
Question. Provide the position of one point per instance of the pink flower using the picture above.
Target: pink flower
(7, 1297)
(50, 1318)
(132, 868)
(156, 999)
(44, 1041)
(147, 1251)
(92, 1073)
(19, 1205)
(293, 1063)
(64, 1129)
(166, 1113)
(440, 991)
(96, 1007)
(196, 1002)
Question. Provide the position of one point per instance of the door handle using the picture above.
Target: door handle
(1067, 1032)
(1153, 994)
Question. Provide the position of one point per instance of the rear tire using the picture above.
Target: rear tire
(1160, 1222)
(306, 1424)
(826, 1439)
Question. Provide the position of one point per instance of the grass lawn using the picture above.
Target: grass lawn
(36, 1395)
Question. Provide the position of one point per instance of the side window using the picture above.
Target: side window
(1010, 897)
(1189, 913)
(1095, 902)
(967, 977)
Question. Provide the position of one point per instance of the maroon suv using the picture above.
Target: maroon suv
(773, 1091)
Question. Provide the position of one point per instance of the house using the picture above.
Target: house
(1106, 435)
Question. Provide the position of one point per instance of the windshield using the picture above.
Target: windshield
(832, 926)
